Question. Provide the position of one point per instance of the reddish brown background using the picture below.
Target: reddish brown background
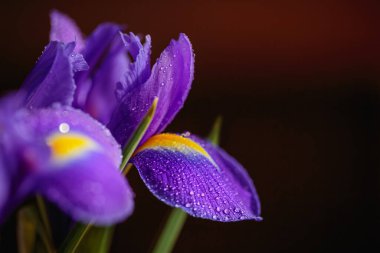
(298, 86)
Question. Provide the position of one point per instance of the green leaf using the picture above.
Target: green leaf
(171, 231)
(33, 229)
(138, 135)
(26, 230)
(88, 238)
(177, 217)
(97, 239)
(214, 135)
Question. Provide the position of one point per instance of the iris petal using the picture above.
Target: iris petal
(182, 172)
(101, 99)
(67, 157)
(87, 184)
(106, 57)
(170, 81)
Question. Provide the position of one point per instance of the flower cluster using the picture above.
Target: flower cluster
(62, 133)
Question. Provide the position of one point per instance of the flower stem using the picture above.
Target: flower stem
(177, 217)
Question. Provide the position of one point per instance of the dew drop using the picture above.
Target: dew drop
(237, 210)
(188, 205)
(186, 134)
(64, 128)
(202, 194)
(218, 209)
(191, 193)
(226, 211)
(214, 217)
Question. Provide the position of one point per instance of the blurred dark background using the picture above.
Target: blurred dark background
(298, 85)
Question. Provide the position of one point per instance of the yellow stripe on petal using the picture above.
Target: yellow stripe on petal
(70, 145)
(174, 142)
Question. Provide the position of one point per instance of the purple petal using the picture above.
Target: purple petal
(65, 30)
(103, 44)
(170, 81)
(182, 173)
(101, 100)
(88, 190)
(87, 184)
(68, 157)
(51, 81)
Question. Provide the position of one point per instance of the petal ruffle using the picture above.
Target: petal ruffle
(64, 29)
(197, 177)
(138, 70)
(170, 81)
(51, 81)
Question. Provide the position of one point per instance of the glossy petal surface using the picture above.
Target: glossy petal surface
(65, 30)
(170, 81)
(182, 173)
(51, 81)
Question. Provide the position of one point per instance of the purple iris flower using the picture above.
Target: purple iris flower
(181, 170)
(49, 148)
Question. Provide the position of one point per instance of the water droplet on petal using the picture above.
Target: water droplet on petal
(188, 205)
(64, 128)
(191, 193)
(218, 209)
(226, 211)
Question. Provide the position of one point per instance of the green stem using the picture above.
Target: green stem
(171, 231)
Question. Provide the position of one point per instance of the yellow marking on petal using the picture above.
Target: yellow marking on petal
(174, 142)
(70, 145)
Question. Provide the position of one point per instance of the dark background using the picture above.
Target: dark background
(298, 86)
